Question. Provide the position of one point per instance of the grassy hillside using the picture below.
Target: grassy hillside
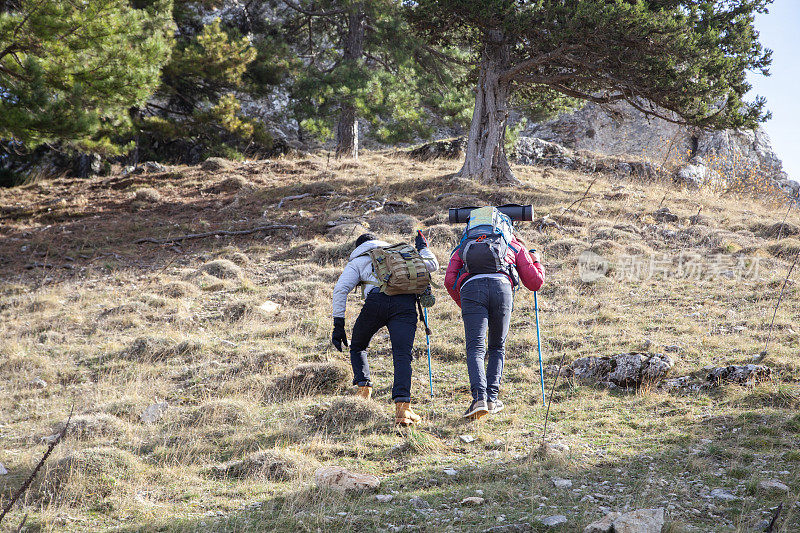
(254, 393)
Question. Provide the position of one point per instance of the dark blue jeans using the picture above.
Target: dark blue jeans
(486, 308)
(399, 315)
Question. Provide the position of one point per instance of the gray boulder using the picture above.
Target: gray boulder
(696, 173)
(639, 521)
(533, 151)
(622, 370)
(444, 149)
(741, 374)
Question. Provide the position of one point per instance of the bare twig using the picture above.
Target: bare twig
(215, 233)
(22, 524)
(379, 207)
(295, 197)
(783, 222)
(30, 479)
(582, 198)
(550, 399)
(771, 527)
(763, 354)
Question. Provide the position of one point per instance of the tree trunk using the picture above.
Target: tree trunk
(486, 154)
(347, 125)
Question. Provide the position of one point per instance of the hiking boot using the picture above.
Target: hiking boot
(477, 409)
(495, 406)
(364, 391)
(404, 416)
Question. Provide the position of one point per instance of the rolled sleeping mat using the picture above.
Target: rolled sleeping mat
(460, 215)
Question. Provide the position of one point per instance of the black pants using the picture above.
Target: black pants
(399, 315)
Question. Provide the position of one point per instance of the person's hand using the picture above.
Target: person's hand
(534, 255)
(339, 336)
(420, 241)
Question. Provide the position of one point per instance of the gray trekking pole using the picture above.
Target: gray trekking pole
(539, 342)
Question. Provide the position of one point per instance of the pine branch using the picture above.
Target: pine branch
(311, 13)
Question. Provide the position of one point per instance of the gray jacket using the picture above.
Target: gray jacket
(359, 269)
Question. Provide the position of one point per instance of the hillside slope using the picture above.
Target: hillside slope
(206, 392)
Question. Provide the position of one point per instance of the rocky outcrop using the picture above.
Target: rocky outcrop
(622, 370)
(700, 157)
(533, 151)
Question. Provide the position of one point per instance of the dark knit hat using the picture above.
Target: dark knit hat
(364, 238)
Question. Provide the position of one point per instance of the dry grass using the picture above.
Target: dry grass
(257, 400)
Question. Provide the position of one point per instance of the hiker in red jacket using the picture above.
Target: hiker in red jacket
(486, 301)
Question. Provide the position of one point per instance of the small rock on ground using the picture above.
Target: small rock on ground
(450, 471)
(467, 438)
(3, 470)
(342, 480)
(521, 527)
(555, 520)
(472, 501)
(154, 413)
(639, 521)
(384, 498)
(722, 494)
(560, 483)
(770, 485)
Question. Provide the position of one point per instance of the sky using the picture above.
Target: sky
(780, 31)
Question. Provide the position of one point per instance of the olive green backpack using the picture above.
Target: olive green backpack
(400, 270)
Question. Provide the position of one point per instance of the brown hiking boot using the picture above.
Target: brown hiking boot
(404, 416)
(364, 392)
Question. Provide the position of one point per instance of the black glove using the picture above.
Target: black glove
(339, 337)
(420, 241)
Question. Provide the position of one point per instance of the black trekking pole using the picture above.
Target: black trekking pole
(428, 341)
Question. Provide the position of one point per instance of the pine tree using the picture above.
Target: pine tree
(69, 71)
(196, 111)
(681, 60)
(360, 60)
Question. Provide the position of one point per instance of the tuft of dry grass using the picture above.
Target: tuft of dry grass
(351, 413)
(267, 465)
(312, 378)
(222, 269)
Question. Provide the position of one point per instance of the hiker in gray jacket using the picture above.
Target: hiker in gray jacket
(398, 313)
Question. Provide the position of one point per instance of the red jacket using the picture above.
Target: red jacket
(530, 274)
